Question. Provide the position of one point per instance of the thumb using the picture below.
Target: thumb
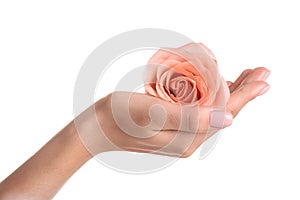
(240, 97)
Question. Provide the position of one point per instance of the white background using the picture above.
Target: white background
(43, 45)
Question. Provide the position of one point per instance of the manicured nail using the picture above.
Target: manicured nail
(219, 119)
(264, 90)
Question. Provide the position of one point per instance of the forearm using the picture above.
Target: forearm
(41, 176)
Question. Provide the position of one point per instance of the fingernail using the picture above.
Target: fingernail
(264, 90)
(219, 119)
(266, 75)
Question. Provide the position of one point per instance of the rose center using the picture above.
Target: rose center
(183, 89)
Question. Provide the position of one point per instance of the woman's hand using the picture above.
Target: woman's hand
(143, 123)
(249, 85)
(131, 122)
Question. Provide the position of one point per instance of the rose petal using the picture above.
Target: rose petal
(185, 75)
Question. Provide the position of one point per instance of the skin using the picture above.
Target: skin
(41, 176)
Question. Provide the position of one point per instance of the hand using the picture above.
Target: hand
(174, 130)
(142, 123)
(249, 85)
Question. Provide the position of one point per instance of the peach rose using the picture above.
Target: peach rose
(187, 74)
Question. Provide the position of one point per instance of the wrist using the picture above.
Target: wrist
(90, 126)
(70, 137)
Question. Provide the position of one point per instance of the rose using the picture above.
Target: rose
(187, 74)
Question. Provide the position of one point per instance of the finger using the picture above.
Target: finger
(258, 74)
(247, 92)
(188, 118)
(144, 112)
(185, 127)
(229, 83)
(154, 112)
(183, 144)
(240, 79)
(171, 143)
